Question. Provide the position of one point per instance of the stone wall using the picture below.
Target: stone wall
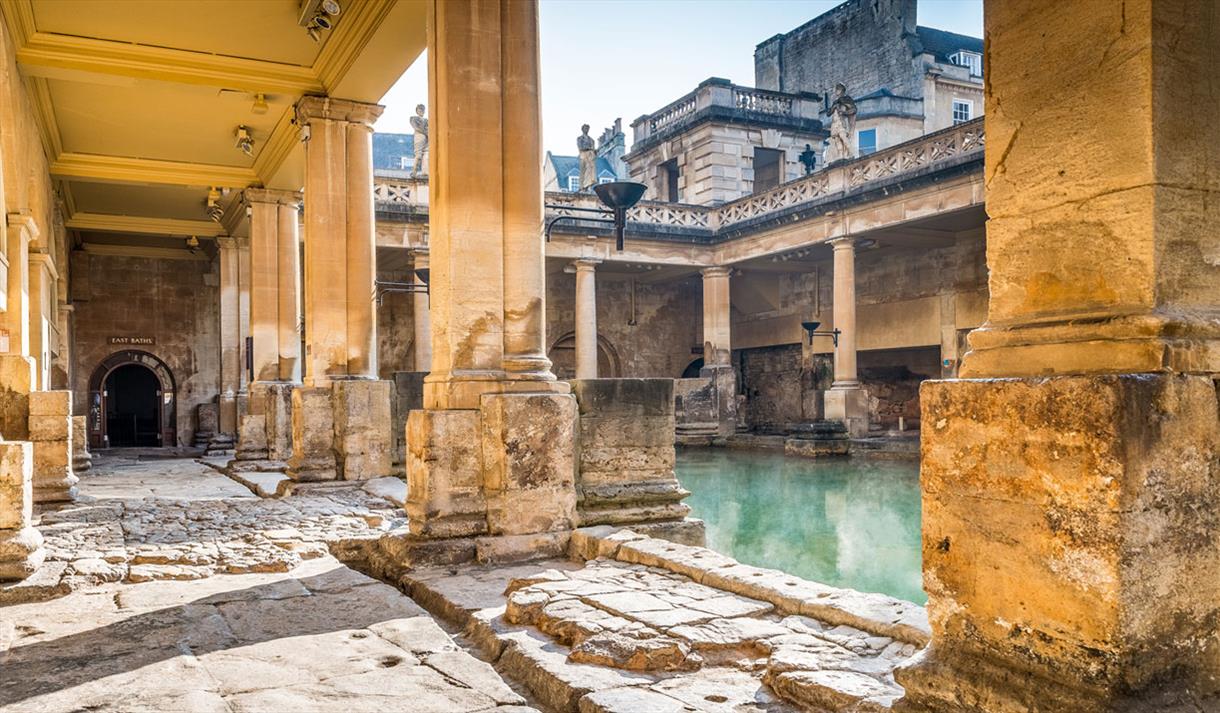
(782, 386)
(395, 326)
(861, 43)
(173, 301)
(656, 333)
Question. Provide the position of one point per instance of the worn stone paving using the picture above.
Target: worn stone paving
(169, 588)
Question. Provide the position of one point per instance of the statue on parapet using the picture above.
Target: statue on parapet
(587, 149)
(842, 113)
(419, 122)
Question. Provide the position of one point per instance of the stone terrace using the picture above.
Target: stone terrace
(171, 587)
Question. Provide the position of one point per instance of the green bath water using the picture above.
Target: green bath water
(846, 522)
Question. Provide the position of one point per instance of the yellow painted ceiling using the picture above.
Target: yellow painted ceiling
(255, 29)
(139, 98)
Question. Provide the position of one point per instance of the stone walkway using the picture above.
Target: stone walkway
(170, 588)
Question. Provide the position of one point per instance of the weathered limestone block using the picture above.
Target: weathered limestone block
(251, 437)
(848, 406)
(445, 474)
(408, 396)
(626, 464)
(1071, 533)
(529, 462)
(363, 444)
(16, 381)
(81, 458)
(20, 544)
(313, 435)
(51, 433)
(696, 411)
(277, 413)
(207, 422)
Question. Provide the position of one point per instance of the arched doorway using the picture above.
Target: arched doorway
(692, 369)
(563, 358)
(132, 402)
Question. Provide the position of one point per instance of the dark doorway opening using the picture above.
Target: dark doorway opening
(692, 369)
(768, 165)
(133, 407)
(669, 178)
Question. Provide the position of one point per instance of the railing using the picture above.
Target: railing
(959, 139)
(838, 178)
(673, 112)
(762, 101)
(904, 158)
(723, 93)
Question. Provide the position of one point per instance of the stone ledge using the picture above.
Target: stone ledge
(878, 614)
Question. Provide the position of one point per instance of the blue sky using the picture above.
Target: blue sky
(603, 59)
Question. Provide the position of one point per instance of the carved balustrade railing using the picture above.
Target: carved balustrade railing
(930, 150)
(674, 112)
(762, 101)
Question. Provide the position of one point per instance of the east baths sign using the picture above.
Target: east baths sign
(133, 340)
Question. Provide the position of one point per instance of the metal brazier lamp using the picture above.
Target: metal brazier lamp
(618, 196)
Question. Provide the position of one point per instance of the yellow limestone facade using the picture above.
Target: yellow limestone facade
(1069, 484)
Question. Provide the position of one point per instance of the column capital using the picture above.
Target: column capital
(242, 242)
(332, 109)
(226, 242)
(586, 263)
(41, 258)
(717, 271)
(420, 257)
(24, 221)
(268, 195)
(847, 242)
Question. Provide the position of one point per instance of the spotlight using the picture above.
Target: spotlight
(313, 33)
(330, 7)
(192, 242)
(322, 20)
(260, 104)
(245, 143)
(214, 210)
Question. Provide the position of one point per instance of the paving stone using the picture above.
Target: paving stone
(836, 691)
(631, 700)
(633, 653)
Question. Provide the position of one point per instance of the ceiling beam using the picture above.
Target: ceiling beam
(86, 54)
(104, 222)
(120, 169)
(145, 251)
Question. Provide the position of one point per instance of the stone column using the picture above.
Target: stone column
(717, 324)
(340, 327)
(21, 230)
(846, 401)
(489, 372)
(1071, 484)
(265, 429)
(422, 318)
(718, 348)
(41, 298)
(586, 318)
(230, 337)
(21, 549)
(243, 320)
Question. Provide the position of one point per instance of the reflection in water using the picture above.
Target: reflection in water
(846, 522)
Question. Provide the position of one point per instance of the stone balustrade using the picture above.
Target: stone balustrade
(721, 95)
(657, 219)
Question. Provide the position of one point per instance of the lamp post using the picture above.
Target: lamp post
(811, 328)
(618, 196)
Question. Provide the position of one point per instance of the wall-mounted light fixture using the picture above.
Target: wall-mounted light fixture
(214, 210)
(382, 287)
(811, 328)
(317, 16)
(260, 104)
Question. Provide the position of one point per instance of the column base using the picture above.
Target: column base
(849, 406)
(16, 383)
(51, 433)
(251, 438)
(313, 435)
(341, 431)
(626, 474)
(277, 413)
(21, 553)
(724, 382)
(82, 460)
(1070, 543)
(507, 468)
(464, 391)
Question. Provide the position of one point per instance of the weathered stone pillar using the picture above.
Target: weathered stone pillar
(1071, 485)
(422, 318)
(20, 543)
(21, 229)
(846, 400)
(586, 318)
(265, 432)
(489, 372)
(243, 322)
(42, 290)
(51, 437)
(230, 335)
(340, 328)
(718, 348)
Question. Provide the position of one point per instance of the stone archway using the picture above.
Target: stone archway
(563, 358)
(164, 429)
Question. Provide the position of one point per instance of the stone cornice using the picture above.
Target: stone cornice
(136, 224)
(26, 222)
(332, 109)
(121, 169)
(269, 195)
